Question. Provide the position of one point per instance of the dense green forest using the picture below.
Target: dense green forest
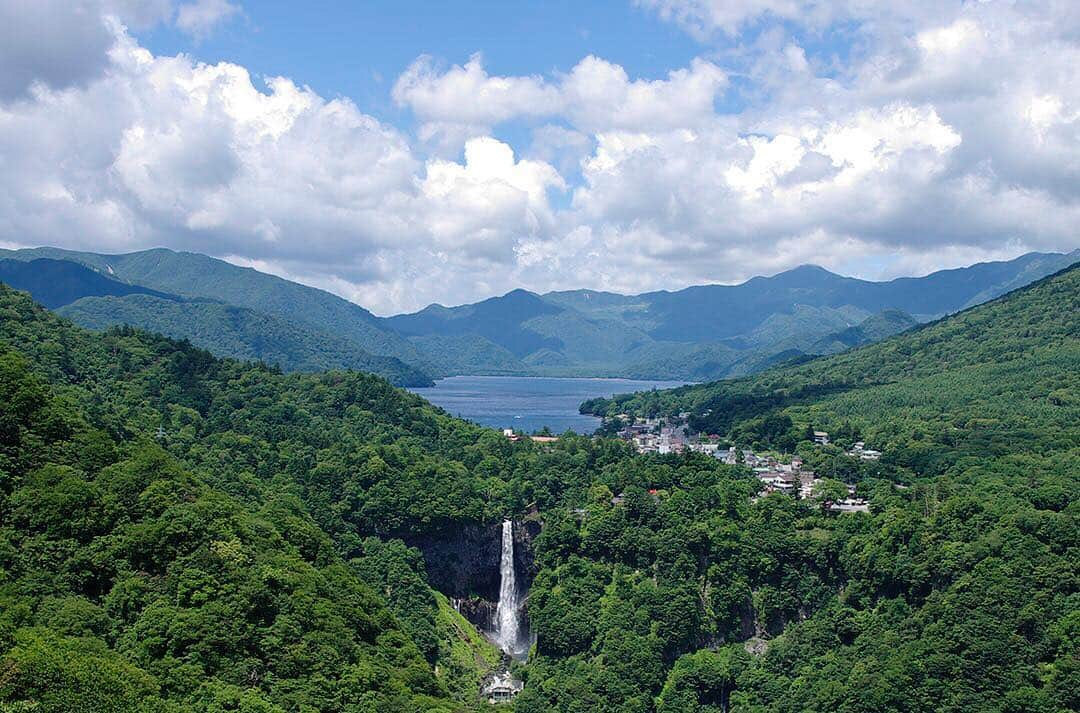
(239, 333)
(94, 298)
(182, 532)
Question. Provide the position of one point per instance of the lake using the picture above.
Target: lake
(527, 403)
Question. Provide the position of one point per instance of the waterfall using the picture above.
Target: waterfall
(507, 634)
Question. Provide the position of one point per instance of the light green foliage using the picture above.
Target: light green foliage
(464, 656)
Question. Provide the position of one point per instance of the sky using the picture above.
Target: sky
(404, 153)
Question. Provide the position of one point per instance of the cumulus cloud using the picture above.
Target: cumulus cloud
(199, 18)
(54, 43)
(166, 150)
(57, 44)
(465, 100)
(950, 133)
(482, 207)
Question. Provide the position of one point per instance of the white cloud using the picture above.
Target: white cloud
(483, 207)
(201, 17)
(164, 150)
(54, 43)
(466, 101)
(950, 132)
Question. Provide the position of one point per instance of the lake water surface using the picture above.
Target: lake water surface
(527, 403)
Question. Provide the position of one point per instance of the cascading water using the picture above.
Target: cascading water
(508, 633)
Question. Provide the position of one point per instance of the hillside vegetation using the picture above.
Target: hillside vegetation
(703, 332)
(186, 533)
(699, 333)
(95, 298)
(239, 333)
(992, 374)
(201, 277)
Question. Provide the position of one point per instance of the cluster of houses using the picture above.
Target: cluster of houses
(656, 435)
(791, 479)
(860, 451)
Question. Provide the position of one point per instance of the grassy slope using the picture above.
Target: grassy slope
(465, 656)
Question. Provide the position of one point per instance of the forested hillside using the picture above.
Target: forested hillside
(199, 276)
(92, 298)
(181, 532)
(239, 333)
(998, 371)
(703, 332)
(55, 283)
(156, 555)
(699, 333)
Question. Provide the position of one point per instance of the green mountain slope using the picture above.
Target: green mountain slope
(198, 276)
(55, 283)
(160, 550)
(996, 371)
(98, 300)
(735, 310)
(873, 329)
(239, 333)
(709, 331)
(180, 532)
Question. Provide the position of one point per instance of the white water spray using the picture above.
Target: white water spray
(508, 633)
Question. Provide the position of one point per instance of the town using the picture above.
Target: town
(673, 435)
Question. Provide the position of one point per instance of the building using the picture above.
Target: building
(509, 433)
(501, 688)
(848, 505)
(821, 438)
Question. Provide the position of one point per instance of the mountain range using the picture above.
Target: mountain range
(704, 332)
(698, 333)
(187, 533)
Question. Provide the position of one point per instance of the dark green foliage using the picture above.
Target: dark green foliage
(54, 283)
(240, 333)
(180, 532)
(128, 581)
(953, 594)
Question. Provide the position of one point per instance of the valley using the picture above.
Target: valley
(649, 356)
(183, 531)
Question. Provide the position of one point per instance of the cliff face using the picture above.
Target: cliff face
(464, 565)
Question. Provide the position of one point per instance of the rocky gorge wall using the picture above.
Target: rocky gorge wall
(464, 565)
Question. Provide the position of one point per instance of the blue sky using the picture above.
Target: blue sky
(358, 49)
(415, 152)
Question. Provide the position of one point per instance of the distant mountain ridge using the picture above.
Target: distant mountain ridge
(698, 333)
(199, 276)
(55, 283)
(708, 331)
(95, 298)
